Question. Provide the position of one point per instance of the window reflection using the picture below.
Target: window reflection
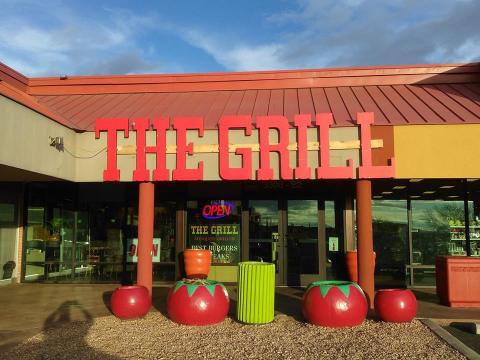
(263, 230)
(390, 240)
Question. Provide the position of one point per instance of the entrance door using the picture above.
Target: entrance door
(264, 235)
(301, 242)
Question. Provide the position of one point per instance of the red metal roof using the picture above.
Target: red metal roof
(392, 105)
(419, 94)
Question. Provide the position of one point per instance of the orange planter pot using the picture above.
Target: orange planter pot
(351, 260)
(458, 280)
(197, 263)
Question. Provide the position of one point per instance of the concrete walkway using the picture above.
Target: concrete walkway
(27, 309)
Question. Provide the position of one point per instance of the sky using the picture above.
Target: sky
(53, 38)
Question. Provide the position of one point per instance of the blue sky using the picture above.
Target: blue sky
(51, 38)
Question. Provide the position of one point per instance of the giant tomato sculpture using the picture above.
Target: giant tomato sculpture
(198, 302)
(334, 304)
(130, 302)
(395, 305)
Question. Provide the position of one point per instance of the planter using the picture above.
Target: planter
(334, 304)
(256, 292)
(198, 302)
(395, 305)
(458, 280)
(197, 263)
(351, 261)
(130, 302)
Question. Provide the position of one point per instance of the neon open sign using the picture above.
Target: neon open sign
(217, 210)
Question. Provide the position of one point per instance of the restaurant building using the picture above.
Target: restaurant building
(291, 167)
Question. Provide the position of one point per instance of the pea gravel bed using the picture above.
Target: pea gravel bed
(156, 337)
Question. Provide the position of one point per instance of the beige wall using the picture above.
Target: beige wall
(24, 142)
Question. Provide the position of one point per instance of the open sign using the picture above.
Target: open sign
(132, 250)
(217, 210)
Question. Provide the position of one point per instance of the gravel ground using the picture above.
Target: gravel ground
(156, 337)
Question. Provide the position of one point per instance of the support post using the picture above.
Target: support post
(366, 265)
(146, 199)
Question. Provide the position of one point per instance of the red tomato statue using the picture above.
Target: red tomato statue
(130, 302)
(334, 304)
(198, 302)
(395, 305)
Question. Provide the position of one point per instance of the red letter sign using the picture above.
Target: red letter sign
(141, 126)
(302, 122)
(325, 171)
(181, 124)
(226, 172)
(111, 126)
(366, 170)
(264, 124)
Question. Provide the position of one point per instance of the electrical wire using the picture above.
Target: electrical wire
(84, 157)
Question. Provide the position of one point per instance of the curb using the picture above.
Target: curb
(451, 340)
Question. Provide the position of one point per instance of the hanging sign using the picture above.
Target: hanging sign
(222, 239)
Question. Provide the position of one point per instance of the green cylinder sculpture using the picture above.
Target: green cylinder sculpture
(256, 292)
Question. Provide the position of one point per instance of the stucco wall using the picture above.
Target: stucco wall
(24, 141)
(437, 151)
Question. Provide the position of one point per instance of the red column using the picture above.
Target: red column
(146, 200)
(366, 265)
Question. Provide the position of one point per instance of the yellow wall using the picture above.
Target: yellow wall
(437, 151)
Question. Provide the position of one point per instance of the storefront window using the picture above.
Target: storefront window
(474, 229)
(163, 251)
(390, 240)
(8, 239)
(106, 253)
(215, 225)
(438, 228)
(302, 237)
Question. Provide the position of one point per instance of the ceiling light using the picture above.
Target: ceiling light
(453, 196)
(387, 192)
(378, 197)
(415, 180)
(399, 187)
(429, 192)
(471, 180)
(446, 187)
(415, 196)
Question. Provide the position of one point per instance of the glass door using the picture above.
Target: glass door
(264, 235)
(301, 240)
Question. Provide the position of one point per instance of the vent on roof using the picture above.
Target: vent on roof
(64, 77)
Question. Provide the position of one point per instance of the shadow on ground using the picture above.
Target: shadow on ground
(64, 336)
(462, 331)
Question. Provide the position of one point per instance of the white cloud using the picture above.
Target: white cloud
(67, 43)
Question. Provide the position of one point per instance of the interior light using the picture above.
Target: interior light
(415, 180)
(453, 196)
(471, 180)
(429, 192)
(415, 196)
(378, 197)
(447, 186)
(387, 192)
(399, 187)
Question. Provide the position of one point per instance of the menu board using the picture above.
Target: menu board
(223, 240)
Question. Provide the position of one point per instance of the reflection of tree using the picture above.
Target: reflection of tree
(432, 230)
